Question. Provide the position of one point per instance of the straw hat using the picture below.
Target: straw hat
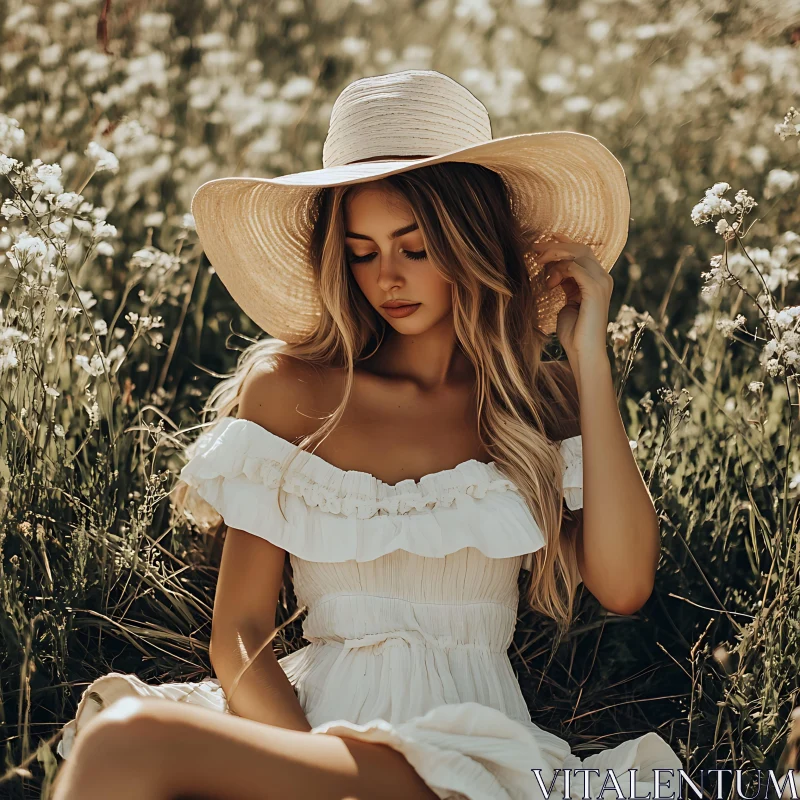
(255, 231)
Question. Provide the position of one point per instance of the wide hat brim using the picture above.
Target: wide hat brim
(256, 231)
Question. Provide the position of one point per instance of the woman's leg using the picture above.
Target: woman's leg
(154, 749)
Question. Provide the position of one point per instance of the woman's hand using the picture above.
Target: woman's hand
(582, 324)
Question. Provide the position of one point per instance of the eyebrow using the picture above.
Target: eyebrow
(399, 232)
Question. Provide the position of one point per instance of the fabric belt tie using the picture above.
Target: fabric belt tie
(412, 637)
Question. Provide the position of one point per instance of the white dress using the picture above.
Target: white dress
(412, 598)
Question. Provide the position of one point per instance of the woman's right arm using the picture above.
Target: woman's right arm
(250, 577)
(249, 581)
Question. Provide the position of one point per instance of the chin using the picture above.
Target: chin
(419, 319)
(409, 327)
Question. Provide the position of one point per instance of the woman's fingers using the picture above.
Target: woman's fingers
(556, 272)
(555, 255)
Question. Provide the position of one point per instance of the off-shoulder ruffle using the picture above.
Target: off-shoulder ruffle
(241, 449)
(572, 452)
(336, 515)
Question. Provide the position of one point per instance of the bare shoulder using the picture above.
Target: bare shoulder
(281, 392)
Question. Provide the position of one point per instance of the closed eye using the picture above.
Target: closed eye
(413, 255)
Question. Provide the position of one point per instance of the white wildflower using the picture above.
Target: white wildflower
(714, 204)
(154, 219)
(297, 87)
(598, 29)
(147, 322)
(7, 164)
(103, 230)
(715, 279)
(789, 127)
(94, 413)
(477, 11)
(554, 83)
(151, 258)
(58, 228)
(577, 104)
(66, 200)
(11, 135)
(115, 357)
(103, 159)
(83, 225)
(627, 322)
(728, 326)
(96, 366)
(45, 179)
(780, 181)
(9, 334)
(755, 386)
(8, 359)
(188, 222)
(87, 298)
(701, 324)
(785, 317)
(58, 430)
(758, 155)
(10, 210)
(26, 248)
(744, 202)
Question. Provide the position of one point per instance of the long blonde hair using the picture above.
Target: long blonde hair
(475, 241)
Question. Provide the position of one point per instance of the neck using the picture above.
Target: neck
(432, 360)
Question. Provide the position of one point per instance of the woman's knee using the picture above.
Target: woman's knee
(119, 753)
(130, 729)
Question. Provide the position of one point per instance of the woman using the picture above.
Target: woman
(407, 564)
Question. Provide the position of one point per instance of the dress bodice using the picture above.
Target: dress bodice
(415, 579)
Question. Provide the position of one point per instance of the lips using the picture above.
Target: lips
(402, 310)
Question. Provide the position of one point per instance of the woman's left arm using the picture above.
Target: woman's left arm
(619, 543)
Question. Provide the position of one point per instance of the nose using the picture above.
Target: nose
(390, 273)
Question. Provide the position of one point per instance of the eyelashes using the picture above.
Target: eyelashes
(412, 255)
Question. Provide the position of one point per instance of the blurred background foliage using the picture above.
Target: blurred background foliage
(113, 329)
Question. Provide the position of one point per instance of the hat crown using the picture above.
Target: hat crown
(416, 112)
